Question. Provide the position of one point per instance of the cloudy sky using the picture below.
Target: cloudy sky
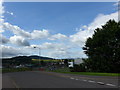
(58, 29)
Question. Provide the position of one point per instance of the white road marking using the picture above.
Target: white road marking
(101, 83)
(110, 84)
(85, 80)
(72, 78)
(91, 81)
(96, 82)
(14, 83)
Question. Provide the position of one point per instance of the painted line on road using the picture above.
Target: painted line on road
(72, 78)
(76, 79)
(85, 80)
(16, 86)
(91, 81)
(54, 74)
(101, 83)
(110, 85)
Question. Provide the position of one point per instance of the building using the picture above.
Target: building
(78, 61)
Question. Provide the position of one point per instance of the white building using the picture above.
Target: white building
(78, 61)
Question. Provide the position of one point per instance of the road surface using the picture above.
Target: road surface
(41, 79)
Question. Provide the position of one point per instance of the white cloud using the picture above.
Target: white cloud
(58, 36)
(66, 53)
(58, 54)
(18, 40)
(1, 15)
(16, 30)
(101, 19)
(11, 13)
(52, 49)
(36, 34)
(39, 34)
(8, 51)
(1, 8)
(3, 40)
(1, 27)
(117, 3)
(48, 45)
(51, 46)
(80, 37)
(87, 31)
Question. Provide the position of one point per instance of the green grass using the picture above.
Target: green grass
(93, 73)
(67, 71)
(6, 70)
(0, 70)
(62, 70)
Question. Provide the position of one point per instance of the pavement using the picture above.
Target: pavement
(42, 79)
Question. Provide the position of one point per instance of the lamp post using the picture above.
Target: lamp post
(39, 56)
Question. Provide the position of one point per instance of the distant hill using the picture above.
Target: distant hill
(17, 59)
(23, 58)
(39, 57)
(9, 62)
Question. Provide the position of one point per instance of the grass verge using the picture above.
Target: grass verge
(6, 70)
(93, 73)
(67, 71)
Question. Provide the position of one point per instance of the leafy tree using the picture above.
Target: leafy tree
(103, 48)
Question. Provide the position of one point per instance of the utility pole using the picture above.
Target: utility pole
(39, 56)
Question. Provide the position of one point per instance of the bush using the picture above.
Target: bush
(78, 68)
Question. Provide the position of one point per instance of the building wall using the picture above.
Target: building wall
(78, 61)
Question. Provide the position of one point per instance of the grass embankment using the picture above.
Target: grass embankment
(93, 73)
(6, 70)
(0, 70)
(62, 70)
(67, 71)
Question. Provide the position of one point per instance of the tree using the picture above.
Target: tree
(103, 48)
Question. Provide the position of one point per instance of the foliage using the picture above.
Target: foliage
(15, 61)
(78, 68)
(65, 69)
(103, 49)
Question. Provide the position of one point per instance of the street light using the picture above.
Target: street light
(39, 56)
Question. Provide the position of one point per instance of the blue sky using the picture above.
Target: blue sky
(57, 21)
(57, 17)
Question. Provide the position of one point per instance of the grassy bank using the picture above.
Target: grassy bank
(93, 73)
(6, 70)
(67, 71)
(0, 70)
(62, 70)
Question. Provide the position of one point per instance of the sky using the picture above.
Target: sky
(57, 29)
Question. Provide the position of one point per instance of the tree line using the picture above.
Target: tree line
(103, 49)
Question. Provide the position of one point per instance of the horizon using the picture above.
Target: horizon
(36, 56)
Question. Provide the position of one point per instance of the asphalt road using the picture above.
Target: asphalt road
(40, 79)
